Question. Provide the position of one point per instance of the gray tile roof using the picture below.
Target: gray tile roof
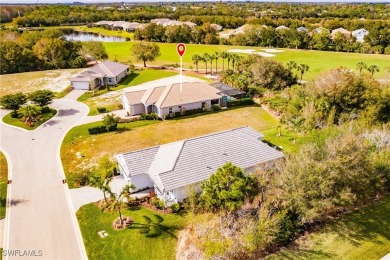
(202, 156)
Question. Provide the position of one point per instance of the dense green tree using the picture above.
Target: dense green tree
(41, 97)
(227, 189)
(110, 121)
(372, 69)
(94, 50)
(145, 51)
(361, 66)
(13, 102)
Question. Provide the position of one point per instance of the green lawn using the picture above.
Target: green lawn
(138, 77)
(152, 236)
(162, 132)
(318, 61)
(360, 235)
(16, 121)
(79, 133)
(3, 184)
(105, 32)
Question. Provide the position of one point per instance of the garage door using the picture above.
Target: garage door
(80, 85)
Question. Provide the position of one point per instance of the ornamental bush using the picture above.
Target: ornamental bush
(240, 102)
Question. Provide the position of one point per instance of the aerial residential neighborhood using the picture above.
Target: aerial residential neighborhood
(194, 130)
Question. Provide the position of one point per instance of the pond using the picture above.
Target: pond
(87, 36)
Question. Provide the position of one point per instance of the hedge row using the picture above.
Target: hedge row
(240, 102)
(100, 129)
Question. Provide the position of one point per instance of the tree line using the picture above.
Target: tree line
(229, 15)
(42, 50)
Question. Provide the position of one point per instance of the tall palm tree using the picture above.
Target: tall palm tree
(234, 58)
(229, 57)
(196, 58)
(211, 59)
(361, 66)
(291, 65)
(372, 69)
(117, 200)
(302, 68)
(206, 58)
(30, 112)
(102, 183)
(216, 55)
(223, 55)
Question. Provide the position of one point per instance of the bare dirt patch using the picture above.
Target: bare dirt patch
(55, 80)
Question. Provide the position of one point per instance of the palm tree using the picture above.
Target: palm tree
(216, 56)
(295, 124)
(235, 58)
(102, 183)
(229, 57)
(372, 69)
(291, 65)
(361, 66)
(196, 58)
(223, 55)
(117, 200)
(212, 57)
(206, 58)
(30, 112)
(302, 68)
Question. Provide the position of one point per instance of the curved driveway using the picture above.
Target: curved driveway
(39, 211)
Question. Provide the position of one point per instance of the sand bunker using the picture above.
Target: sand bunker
(272, 50)
(246, 51)
(264, 54)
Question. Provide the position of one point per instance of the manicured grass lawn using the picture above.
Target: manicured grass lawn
(111, 103)
(16, 122)
(105, 32)
(360, 235)
(80, 133)
(3, 184)
(152, 236)
(318, 61)
(92, 147)
(26, 82)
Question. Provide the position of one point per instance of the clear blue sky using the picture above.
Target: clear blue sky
(110, 1)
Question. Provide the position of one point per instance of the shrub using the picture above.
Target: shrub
(215, 107)
(240, 102)
(193, 111)
(97, 130)
(175, 207)
(81, 178)
(127, 39)
(155, 201)
(101, 109)
(151, 116)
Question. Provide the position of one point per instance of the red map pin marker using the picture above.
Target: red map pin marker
(181, 49)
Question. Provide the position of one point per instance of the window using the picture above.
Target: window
(170, 110)
(116, 78)
(109, 79)
(215, 102)
(180, 108)
(203, 104)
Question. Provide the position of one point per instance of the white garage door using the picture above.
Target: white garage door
(80, 85)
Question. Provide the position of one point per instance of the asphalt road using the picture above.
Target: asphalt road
(40, 214)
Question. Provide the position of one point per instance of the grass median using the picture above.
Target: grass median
(49, 113)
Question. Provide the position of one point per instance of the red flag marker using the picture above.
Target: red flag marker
(181, 49)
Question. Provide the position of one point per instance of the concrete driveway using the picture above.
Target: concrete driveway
(39, 214)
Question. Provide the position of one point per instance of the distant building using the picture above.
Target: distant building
(359, 34)
(107, 72)
(216, 26)
(320, 30)
(340, 30)
(302, 29)
(282, 27)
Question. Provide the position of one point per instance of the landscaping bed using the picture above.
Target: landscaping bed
(47, 113)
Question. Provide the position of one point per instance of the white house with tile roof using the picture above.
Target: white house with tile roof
(359, 34)
(173, 169)
(107, 72)
(165, 100)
